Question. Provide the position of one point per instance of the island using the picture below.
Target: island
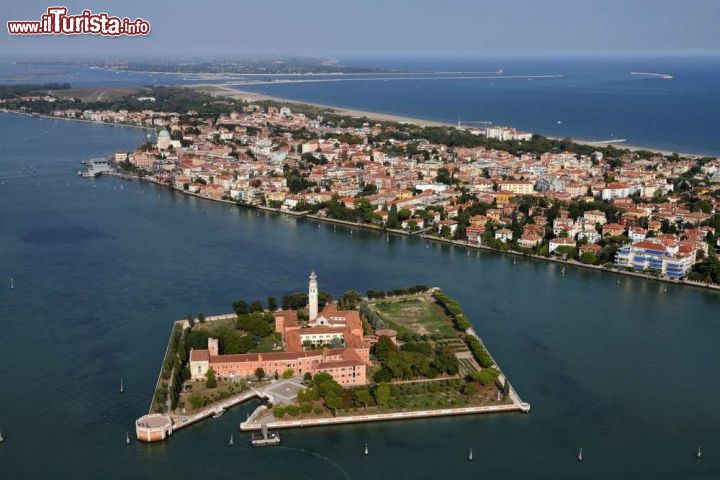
(628, 211)
(401, 354)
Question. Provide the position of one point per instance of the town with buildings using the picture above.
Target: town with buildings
(493, 187)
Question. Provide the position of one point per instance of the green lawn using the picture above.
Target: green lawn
(266, 344)
(414, 316)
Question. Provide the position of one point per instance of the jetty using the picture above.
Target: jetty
(94, 167)
(266, 439)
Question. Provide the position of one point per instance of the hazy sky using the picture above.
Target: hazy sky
(342, 27)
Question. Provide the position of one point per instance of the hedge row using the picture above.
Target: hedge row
(397, 291)
(452, 307)
(479, 351)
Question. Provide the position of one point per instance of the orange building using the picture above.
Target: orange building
(331, 342)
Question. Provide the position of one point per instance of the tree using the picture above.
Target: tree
(272, 304)
(350, 300)
(384, 348)
(196, 401)
(201, 317)
(211, 380)
(362, 397)
(382, 394)
(240, 307)
(443, 176)
(307, 378)
(288, 373)
(393, 220)
(259, 373)
(191, 320)
(333, 401)
(256, 306)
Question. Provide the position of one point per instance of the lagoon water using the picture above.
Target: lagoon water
(627, 372)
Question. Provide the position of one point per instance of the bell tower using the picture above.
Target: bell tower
(313, 297)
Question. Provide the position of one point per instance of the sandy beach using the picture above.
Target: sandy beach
(223, 90)
(234, 92)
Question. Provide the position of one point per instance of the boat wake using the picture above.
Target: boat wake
(321, 457)
(664, 76)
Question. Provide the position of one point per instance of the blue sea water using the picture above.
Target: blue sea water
(596, 98)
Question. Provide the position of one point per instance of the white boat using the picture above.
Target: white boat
(12, 283)
(219, 413)
(579, 455)
(232, 440)
(2, 439)
(470, 455)
(122, 387)
(127, 438)
(367, 452)
(698, 454)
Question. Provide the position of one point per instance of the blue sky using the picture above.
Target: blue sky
(387, 27)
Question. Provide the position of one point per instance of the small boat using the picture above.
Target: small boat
(12, 283)
(470, 456)
(2, 439)
(579, 455)
(514, 261)
(232, 440)
(127, 438)
(219, 413)
(698, 454)
(664, 288)
(618, 281)
(468, 252)
(122, 387)
(367, 452)
(562, 271)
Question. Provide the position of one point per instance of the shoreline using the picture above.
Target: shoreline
(421, 234)
(250, 96)
(39, 115)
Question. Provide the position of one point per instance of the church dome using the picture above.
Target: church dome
(164, 134)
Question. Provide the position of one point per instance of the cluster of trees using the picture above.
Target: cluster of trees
(707, 271)
(14, 91)
(248, 329)
(413, 359)
(374, 294)
(241, 307)
(259, 324)
(363, 212)
(296, 181)
(322, 387)
(167, 99)
(298, 300)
